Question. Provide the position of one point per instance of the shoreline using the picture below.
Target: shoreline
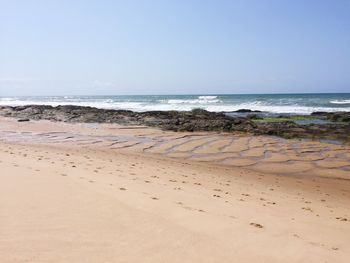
(259, 153)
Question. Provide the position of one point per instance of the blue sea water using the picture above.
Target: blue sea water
(271, 103)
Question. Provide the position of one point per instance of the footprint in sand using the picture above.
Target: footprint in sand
(307, 209)
(341, 219)
(256, 225)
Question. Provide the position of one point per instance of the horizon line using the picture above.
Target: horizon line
(189, 94)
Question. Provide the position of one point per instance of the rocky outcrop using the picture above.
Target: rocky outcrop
(245, 111)
(195, 120)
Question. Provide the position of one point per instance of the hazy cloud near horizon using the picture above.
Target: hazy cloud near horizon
(173, 47)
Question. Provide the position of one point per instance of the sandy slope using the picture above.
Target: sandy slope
(64, 202)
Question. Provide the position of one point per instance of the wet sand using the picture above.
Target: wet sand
(109, 193)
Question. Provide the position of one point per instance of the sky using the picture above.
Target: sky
(102, 47)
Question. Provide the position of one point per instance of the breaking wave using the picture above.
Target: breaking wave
(340, 101)
(279, 103)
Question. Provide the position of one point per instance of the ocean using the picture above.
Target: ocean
(270, 103)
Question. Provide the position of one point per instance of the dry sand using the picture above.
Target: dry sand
(107, 193)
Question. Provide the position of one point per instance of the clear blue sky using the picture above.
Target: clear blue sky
(171, 47)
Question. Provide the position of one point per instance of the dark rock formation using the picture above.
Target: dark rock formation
(22, 120)
(246, 110)
(195, 120)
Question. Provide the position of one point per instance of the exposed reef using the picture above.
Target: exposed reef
(331, 125)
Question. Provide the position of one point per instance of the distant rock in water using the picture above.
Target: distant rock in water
(246, 111)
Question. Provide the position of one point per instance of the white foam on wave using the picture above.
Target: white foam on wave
(278, 109)
(210, 103)
(195, 101)
(199, 100)
(104, 104)
(230, 108)
(340, 101)
(207, 97)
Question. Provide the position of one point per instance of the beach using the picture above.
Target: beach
(87, 192)
(174, 132)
